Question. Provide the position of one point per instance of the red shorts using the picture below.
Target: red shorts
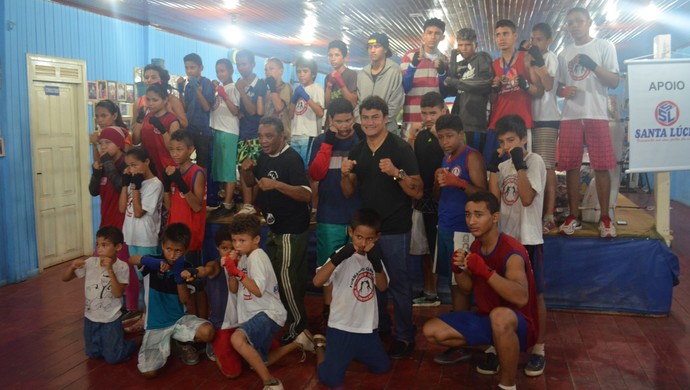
(595, 133)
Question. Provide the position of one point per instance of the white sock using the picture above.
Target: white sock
(491, 349)
(513, 387)
(538, 349)
(227, 205)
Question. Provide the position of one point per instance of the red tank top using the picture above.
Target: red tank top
(110, 211)
(152, 141)
(181, 212)
(486, 297)
(511, 98)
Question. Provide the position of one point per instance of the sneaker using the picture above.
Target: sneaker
(306, 341)
(247, 209)
(209, 352)
(489, 365)
(548, 226)
(188, 353)
(130, 317)
(570, 225)
(137, 327)
(401, 348)
(535, 365)
(453, 355)
(278, 385)
(606, 228)
(221, 212)
(426, 301)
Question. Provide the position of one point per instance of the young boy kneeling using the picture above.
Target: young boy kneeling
(106, 278)
(352, 272)
(168, 295)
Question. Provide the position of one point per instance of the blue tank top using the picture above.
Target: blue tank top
(451, 205)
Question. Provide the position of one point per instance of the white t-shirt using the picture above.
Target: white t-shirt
(523, 223)
(230, 311)
(258, 268)
(144, 231)
(591, 100)
(354, 307)
(101, 305)
(545, 107)
(222, 118)
(305, 121)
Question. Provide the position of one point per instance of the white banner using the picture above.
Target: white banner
(659, 129)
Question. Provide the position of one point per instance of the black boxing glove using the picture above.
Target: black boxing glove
(271, 84)
(492, 166)
(415, 59)
(141, 114)
(137, 180)
(441, 68)
(156, 122)
(330, 137)
(375, 257)
(166, 183)
(587, 62)
(523, 83)
(517, 155)
(537, 58)
(176, 178)
(126, 180)
(342, 254)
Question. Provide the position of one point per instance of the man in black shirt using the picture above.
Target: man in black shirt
(384, 170)
(284, 196)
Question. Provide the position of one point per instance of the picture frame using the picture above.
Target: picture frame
(125, 109)
(121, 92)
(92, 90)
(129, 91)
(112, 91)
(138, 75)
(102, 89)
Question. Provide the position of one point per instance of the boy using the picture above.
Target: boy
(334, 211)
(424, 70)
(470, 80)
(278, 93)
(106, 278)
(498, 272)
(252, 92)
(198, 96)
(225, 124)
(167, 296)
(429, 157)
(519, 183)
(259, 311)
(342, 81)
(224, 308)
(462, 173)
(306, 108)
(586, 70)
(352, 273)
(284, 196)
(547, 118)
(185, 197)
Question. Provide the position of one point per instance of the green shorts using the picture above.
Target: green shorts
(248, 148)
(224, 163)
(329, 237)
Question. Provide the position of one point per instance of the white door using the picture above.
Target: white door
(57, 181)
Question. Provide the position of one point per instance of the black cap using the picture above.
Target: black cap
(381, 39)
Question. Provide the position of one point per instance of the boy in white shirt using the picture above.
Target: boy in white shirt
(259, 310)
(518, 183)
(353, 273)
(306, 109)
(106, 278)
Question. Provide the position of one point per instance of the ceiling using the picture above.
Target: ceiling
(281, 28)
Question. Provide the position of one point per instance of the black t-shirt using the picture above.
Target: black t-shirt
(429, 156)
(291, 216)
(379, 191)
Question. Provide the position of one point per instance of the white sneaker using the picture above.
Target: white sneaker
(606, 228)
(570, 225)
(305, 340)
(277, 386)
(246, 209)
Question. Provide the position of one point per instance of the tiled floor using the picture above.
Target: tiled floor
(41, 347)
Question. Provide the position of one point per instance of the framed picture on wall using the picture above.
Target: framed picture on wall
(125, 109)
(121, 94)
(138, 75)
(129, 91)
(93, 90)
(102, 89)
(112, 91)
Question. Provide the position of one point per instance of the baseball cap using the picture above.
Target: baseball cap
(380, 39)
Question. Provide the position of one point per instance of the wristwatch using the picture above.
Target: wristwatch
(401, 175)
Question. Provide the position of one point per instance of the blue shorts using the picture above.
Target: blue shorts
(344, 347)
(302, 145)
(107, 340)
(259, 331)
(476, 328)
(536, 258)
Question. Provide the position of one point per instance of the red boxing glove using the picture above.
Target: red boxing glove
(338, 78)
(454, 181)
(565, 90)
(221, 92)
(477, 266)
(232, 269)
(454, 267)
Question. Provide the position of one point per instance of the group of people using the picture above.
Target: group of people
(462, 189)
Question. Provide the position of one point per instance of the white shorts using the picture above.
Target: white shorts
(155, 348)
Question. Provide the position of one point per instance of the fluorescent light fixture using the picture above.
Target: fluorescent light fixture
(649, 13)
(231, 4)
(611, 11)
(308, 55)
(233, 34)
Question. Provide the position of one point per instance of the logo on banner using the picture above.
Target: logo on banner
(667, 113)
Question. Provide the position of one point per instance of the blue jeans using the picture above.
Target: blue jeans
(396, 258)
(107, 340)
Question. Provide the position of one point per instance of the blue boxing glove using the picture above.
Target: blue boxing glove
(295, 97)
(178, 267)
(193, 82)
(302, 93)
